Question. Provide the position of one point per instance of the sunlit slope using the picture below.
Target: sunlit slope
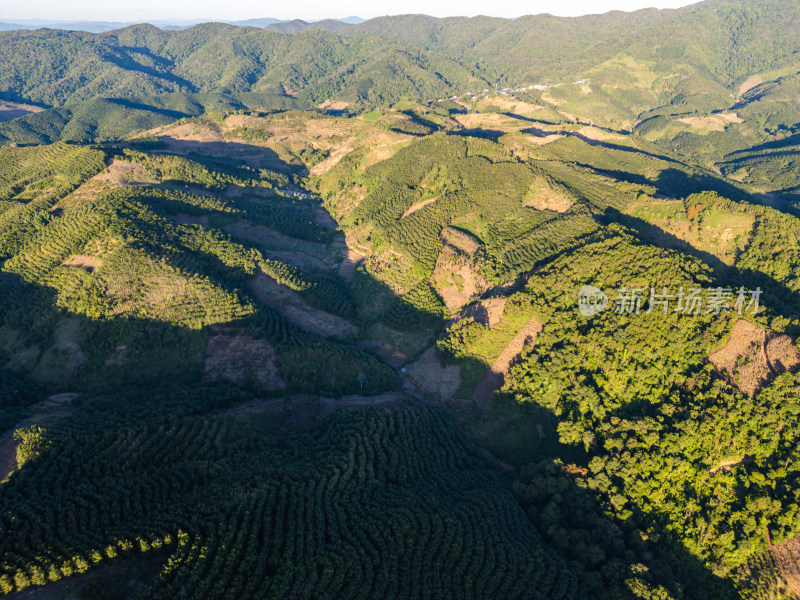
(130, 279)
(244, 257)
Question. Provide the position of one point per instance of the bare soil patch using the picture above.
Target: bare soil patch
(542, 140)
(121, 172)
(334, 105)
(459, 240)
(348, 266)
(434, 378)
(333, 159)
(232, 121)
(415, 207)
(715, 122)
(542, 197)
(292, 306)
(517, 107)
(495, 121)
(90, 263)
(14, 110)
(731, 117)
(787, 558)
(202, 139)
(705, 123)
(728, 464)
(328, 127)
(754, 356)
(199, 132)
(748, 84)
(383, 145)
(89, 190)
(118, 173)
(488, 312)
(594, 133)
(241, 358)
(494, 378)
(457, 279)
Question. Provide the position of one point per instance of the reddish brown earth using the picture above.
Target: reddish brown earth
(434, 378)
(292, 306)
(487, 312)
(787, 558)
(754, 356)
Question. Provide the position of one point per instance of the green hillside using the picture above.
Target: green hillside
(724, 39)
(142, 60)
(303, 313)
(221, 522)
(104, 119)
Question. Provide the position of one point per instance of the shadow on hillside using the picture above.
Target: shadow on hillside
(664, 239)
(675, 183)
(127, 103)
(791, 140)
(128, 64)
(50, 341)
(141, 352)
(252, 155)
(777, 297)
(582, 123)
(486, 134)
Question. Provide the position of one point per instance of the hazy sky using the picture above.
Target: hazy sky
(140, 10)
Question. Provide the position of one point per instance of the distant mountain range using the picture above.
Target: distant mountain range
(618, 70)
(283, 26)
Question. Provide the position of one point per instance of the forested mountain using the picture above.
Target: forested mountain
(298, 25)
(728, 39)
(637, 65)
(416, 308)
(172, 24)
(59, 68)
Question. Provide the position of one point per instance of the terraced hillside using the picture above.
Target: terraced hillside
(136, 247)
(327, 332)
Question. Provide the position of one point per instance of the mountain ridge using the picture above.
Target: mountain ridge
(453, 308)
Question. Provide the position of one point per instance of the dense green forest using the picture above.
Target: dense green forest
(369, 504)
(300, 312)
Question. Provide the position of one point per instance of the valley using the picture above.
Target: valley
(291, 312)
